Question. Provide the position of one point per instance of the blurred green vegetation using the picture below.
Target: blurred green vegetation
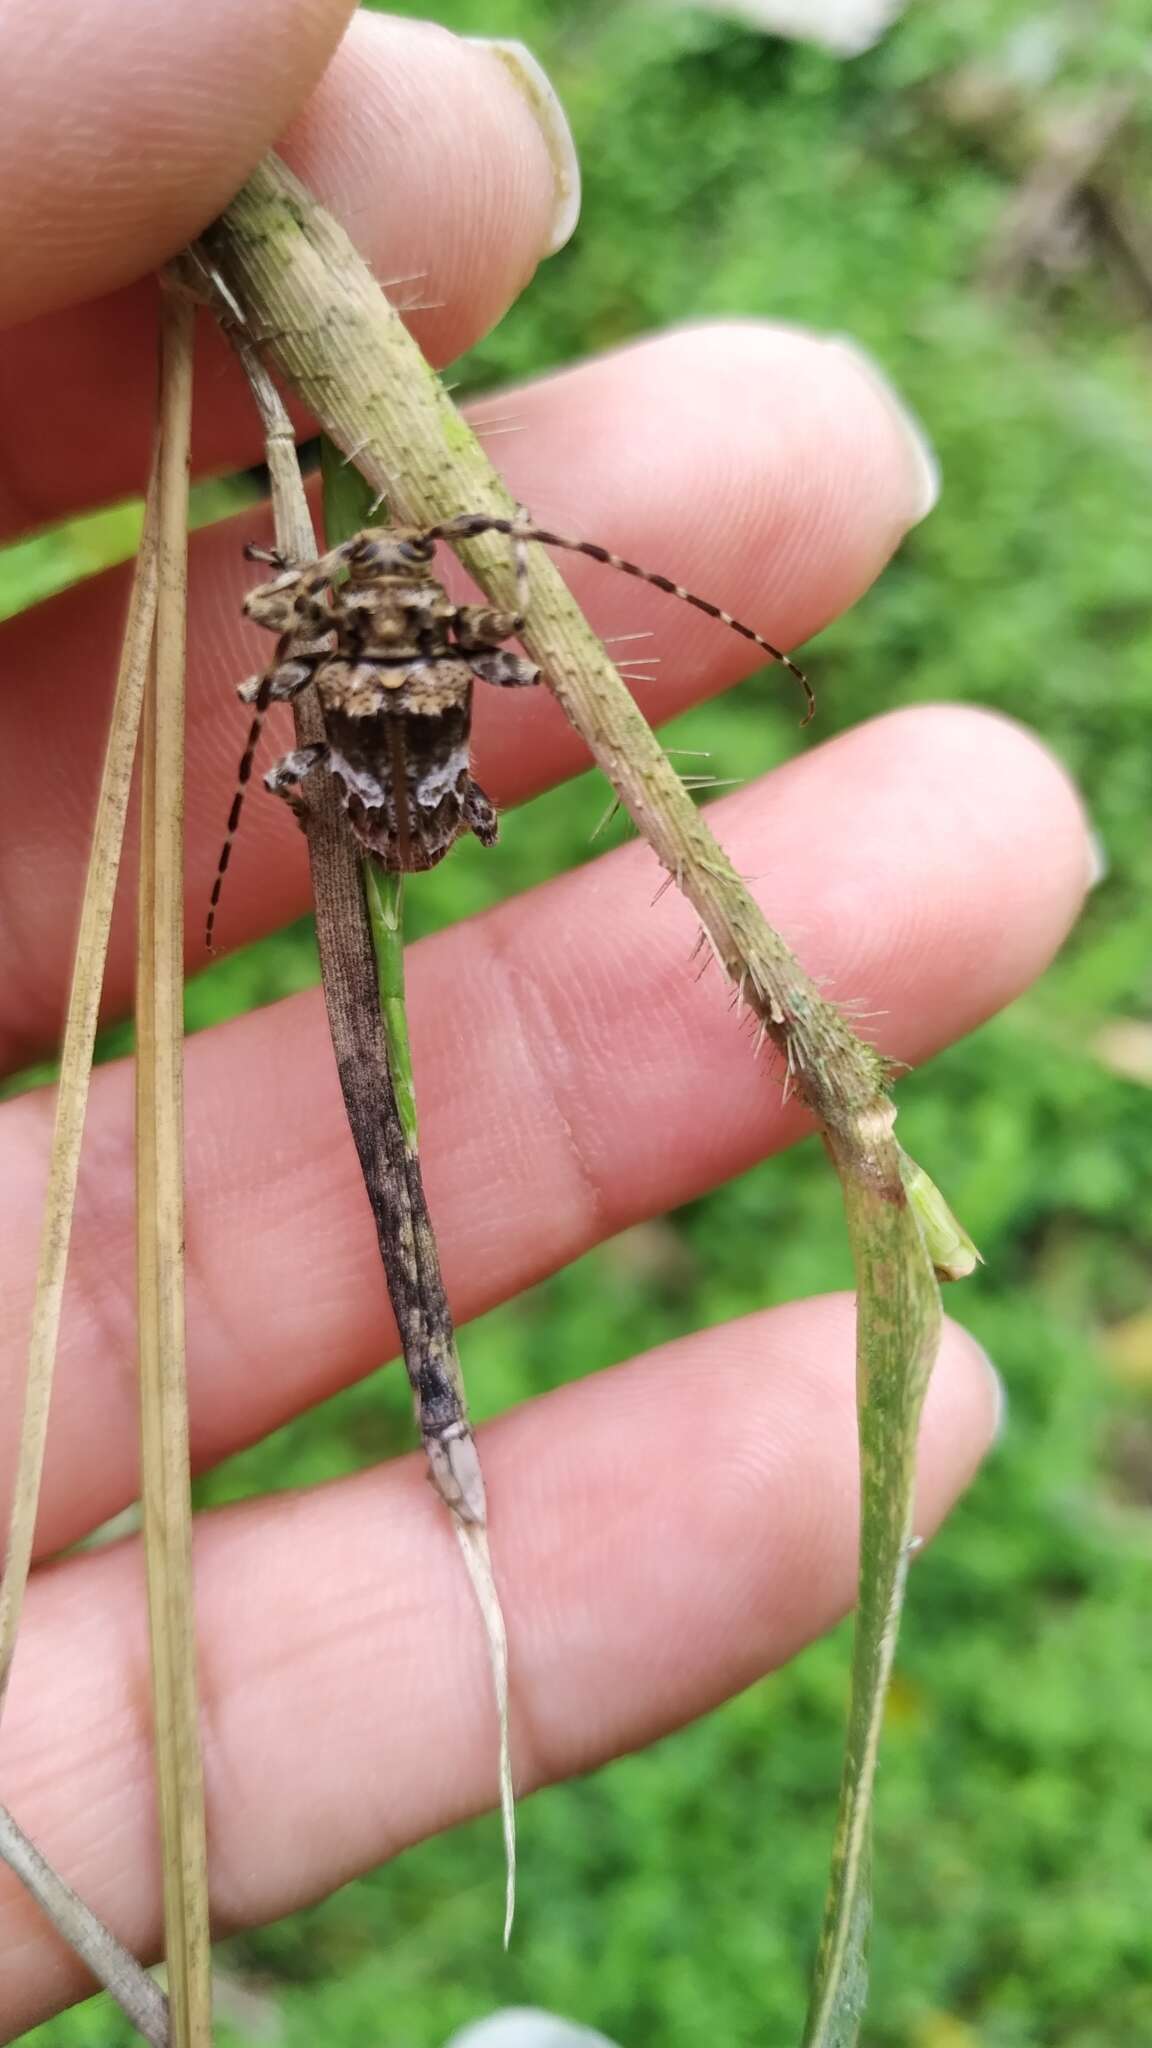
(674, 1898)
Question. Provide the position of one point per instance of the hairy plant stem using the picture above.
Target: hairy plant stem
(317, 315)
(72, 1088)
(898, 1321)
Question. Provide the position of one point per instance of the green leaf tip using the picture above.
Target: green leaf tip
(951, 1250)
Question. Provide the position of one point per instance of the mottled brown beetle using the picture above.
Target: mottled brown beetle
(393, 660)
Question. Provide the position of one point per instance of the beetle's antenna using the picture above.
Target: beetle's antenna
(469, 524)
(279, 683)
(260, 707)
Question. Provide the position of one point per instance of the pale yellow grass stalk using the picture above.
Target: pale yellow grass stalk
(72, 1090)
(167, 1517)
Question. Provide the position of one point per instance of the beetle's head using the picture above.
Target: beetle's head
(380, 554)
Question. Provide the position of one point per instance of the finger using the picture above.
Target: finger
(151, 149)
(574, 1075)
(781, 495)
(451, 178)
(663, 1534)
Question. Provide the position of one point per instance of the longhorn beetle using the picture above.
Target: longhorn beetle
(393, 660)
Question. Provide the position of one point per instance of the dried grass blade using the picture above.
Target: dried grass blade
(135, 1992)
(160, 1226)
(75, 1069)
(348, 502)
(385, 908)
(473, 1541)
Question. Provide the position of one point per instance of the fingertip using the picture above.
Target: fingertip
(533, 83)
(963, 1419)
(1032, 782)
(450, 162)
(526, 2027)
(805, 472)
(150, 148)
(1005, 878)
(914, 458)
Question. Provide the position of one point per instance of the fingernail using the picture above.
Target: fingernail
(522, 2026)
(1099, 865)
(534, 85)
(923, 464)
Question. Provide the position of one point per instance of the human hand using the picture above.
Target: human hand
(930, 863)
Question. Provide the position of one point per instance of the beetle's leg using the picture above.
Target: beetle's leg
(286, 775)
(509, 671)
(479, 814)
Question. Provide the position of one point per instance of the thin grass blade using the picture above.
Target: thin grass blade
(897, 1334)
(75, 1070)
(167, 1518)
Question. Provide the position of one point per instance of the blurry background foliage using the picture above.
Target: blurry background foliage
(672, 1899)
